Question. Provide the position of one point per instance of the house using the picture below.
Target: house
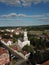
(17, 31)
(7, 41)
(24, 41)
(4, 56)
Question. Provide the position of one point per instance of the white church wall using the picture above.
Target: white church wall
(19, 43)
(25, 42)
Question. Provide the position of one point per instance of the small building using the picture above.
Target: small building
(4, 56)
(24, 41)
(7, 41)
(17, 31)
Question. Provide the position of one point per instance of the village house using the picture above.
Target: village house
(7, 41)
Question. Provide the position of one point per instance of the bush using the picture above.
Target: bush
(28, 48)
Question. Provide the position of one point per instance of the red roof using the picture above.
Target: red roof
(6, 40)
(4, 58)
(2, 50)
(46, 63)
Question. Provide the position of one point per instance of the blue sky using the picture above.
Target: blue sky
(24, 12)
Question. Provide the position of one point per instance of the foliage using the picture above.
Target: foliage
(28, 48)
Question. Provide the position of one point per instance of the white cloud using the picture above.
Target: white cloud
(40, 17)
(13, 15)
(24, 15)
(24, 2)
(47, 14)
(29, 2)
(17, 2)
(20, 15)
(9, 15)
(39, 1)
(44, 19)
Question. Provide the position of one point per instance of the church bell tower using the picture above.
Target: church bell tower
(25, 35)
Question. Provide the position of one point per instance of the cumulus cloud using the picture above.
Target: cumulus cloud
(24, 15)
(44, 19)
(9, 15)
(40, 17)
(24, 2)
(17, 2)
(13, 15)
(39, 1)
(20, 15)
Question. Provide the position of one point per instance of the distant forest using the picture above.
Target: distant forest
(40, 27)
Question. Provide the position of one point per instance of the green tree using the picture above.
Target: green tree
(28, 48)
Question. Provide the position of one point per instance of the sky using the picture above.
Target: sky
(24, 12)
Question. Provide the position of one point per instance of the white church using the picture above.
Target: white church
(25, 40)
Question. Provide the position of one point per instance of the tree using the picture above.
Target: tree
(28, 48)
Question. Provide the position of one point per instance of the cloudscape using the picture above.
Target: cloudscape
(24, 12)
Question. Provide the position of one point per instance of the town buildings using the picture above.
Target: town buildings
(7, 41)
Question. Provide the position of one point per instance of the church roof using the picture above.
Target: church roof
(21, 39)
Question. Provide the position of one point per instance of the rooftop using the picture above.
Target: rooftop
(2, 51)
